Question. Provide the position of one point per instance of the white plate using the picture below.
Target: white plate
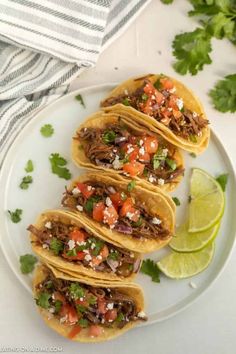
(164, 299)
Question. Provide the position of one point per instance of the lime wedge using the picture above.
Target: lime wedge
(184, 241)
(207, 201)
(184, 265)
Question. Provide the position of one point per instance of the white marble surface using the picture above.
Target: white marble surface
(208, 326)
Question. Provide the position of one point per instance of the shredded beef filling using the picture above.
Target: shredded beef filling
(189, 125)
(105, 154)
(119, 261)
(144, 228)
(90, 312)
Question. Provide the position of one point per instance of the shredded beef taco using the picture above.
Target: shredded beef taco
(136, 218)
(81, 311)
(63, 240)
(165, 105)
(112, 143)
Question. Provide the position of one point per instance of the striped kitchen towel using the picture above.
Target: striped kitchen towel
(46, 44)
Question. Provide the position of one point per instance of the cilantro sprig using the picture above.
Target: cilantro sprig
(47, 130)
(80, 99)
(26, 181)
(15, 216)
(43, 300)
(223, 95)
(150, 268)
(57, 166)
(29, 167)
(27, 263)
(222, 180)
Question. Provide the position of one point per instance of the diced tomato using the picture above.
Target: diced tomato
(110, 215)
(134, 214)
(75, 330)
(82, 301)
(177, 114)
(150, 144)
(95, 331)
(159, 97)
(149, 88)
(70, 312)
(104, 252)
(102, 306)
(127, 206)
(59, 296)
(134, 168)
(147, 106)
(78, 235)
(134, 150)
(116, 199)
(172, 102)
(80, 256)
(132, 139)
(144, 157)
(111, 315)
(96, 261)
(86, 190)
(98, 210)
(167, 84)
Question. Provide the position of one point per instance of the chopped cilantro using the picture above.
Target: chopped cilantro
(167, 2)
(113, 255)
(224, 94)
(193, 138)
(15, 215)
(126, 102)
(144, 97)
(150, 268)
(43, 300)
(80, 308)
(98, 246)
(29, 166)
(83, 322)
(109, 136)
(137, 223)
(90, 202)
(120, 317)
(171, 164)
(80, 99)
(192, 154)
(123, 196)
(189, 198)
(47, 130)
(57, 163)
(56, 246)
(176, 201)
(145, 172)
(72, 253)
(57, 306)
(222, 180)
(157, 158)
(76, 291)
(26, 181)
(157, 84)
(92, 300)
(27, 263)
(131, 185)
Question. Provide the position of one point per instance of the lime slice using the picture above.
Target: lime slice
(184, 241)
(184, 265)
(207, 201)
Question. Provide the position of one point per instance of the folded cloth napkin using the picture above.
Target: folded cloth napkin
(46, 44)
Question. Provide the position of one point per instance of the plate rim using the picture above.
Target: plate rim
(32, 121)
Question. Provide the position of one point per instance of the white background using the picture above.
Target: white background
(208, 326)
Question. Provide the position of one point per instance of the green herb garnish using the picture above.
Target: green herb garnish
(15, 215)
(56, 246)
(109, 136)
(83, 322)
(171, 164)
(120, 317)
(131, 185)
(113, 256)
(222, 180)
(57, 166)
(98, 246)
(192, 154)
(47, 130)
(80, 99)
(92, 300)
(123, 196)
(224, 94)
(144, 97)
(193, 138)
(126, 102)
(137, 223)
(43, 300)
(72, 253)
(29, 166)
(27, 263)
(90, 202)
(176, 201)
(157, 158)
(76, 291)
(26, 181)
(81, 308)
(57, 306)
(150, 268)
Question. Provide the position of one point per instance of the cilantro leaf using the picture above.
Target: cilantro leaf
(221, 26)
(192, 154)
(224, 94)
(26, 181)
(89, 203)
(171, 164)
(167, 2)
(109, 136)
(192, 51)
(126, 101)
(222, 180)
(57, 162)
(76, 291)
(29, 166)
(57, 306)
(81, 308)
(157, 158)
(47, 130)
(131, 185)
(56, 246)
(15, 215)
(120, 317)
(43, 300)
(83, 322)
(27, 263)
(150, 268)
(80, 99)
(176, 201)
